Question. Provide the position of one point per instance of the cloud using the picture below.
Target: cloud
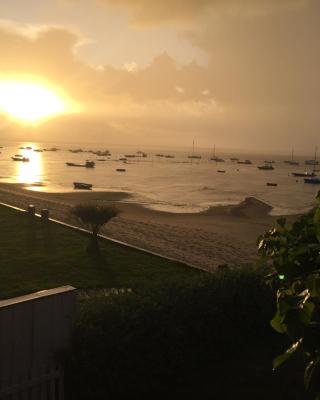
(148, 12)
(261, 85)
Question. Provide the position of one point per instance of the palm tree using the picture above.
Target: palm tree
(94, 217)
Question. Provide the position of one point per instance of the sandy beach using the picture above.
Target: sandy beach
(220, 235)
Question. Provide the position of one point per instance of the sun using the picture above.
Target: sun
(30, 102)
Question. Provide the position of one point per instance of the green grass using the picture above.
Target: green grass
(36, 255)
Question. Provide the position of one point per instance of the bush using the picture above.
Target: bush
(94, 217)
(162, 342)
(293, 255)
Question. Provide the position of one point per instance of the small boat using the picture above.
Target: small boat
(194, 156)
(313, 181)
(214, 157)
(266, 167)
(121, 170)
(246, 162)
(142, 154)
(234, 159)
(19, 157)
(168, 156)
(82, 185)
(291, 162)
(269, 161)
(272, 184)
(88, 164)
(304, 174)
(311, 162)
(217, 159)
(38, 150)
(222, 171)
(29, 148)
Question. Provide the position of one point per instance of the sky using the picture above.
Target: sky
(237, 74)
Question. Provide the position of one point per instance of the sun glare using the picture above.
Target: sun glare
(30, 102)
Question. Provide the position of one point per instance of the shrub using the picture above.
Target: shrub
(94, 217)
(293, 255)
(162, 342)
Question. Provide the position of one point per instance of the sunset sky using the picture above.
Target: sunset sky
(234, 73)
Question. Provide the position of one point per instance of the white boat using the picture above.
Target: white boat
(266, 167)
(304, 174)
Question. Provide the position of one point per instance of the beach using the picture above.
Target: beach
(220, 235)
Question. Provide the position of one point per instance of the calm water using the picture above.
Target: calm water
(174, 184)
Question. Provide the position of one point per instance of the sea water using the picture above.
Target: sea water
(178, 184)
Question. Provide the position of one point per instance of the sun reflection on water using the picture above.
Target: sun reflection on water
(32, 171)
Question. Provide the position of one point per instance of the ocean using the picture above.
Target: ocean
(177, 184)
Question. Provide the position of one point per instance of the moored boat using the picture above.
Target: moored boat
(292, 161)
(82, 185)
(246, 162)
(19, 157)
(266, 167)
(313, 180)
(304, 174)
(88, 164)
(272, 184)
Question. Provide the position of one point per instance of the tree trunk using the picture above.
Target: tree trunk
(93, 246)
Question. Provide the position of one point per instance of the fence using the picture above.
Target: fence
(34, 332)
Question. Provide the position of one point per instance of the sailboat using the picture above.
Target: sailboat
(291, 162)
(214, 157)
(194, 156)
(314, 161)
(306, 174)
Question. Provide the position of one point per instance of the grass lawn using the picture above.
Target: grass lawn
(36, 255)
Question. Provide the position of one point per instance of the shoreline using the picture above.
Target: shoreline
(217, 236)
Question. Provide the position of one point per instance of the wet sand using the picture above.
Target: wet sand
(220, 235)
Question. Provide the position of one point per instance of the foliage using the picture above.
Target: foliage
(293, 255)
(94, 217)
(194, 339)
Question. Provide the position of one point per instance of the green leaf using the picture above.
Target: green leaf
(277, 323)
(284, 357)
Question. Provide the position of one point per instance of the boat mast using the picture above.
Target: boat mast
(315, 158)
